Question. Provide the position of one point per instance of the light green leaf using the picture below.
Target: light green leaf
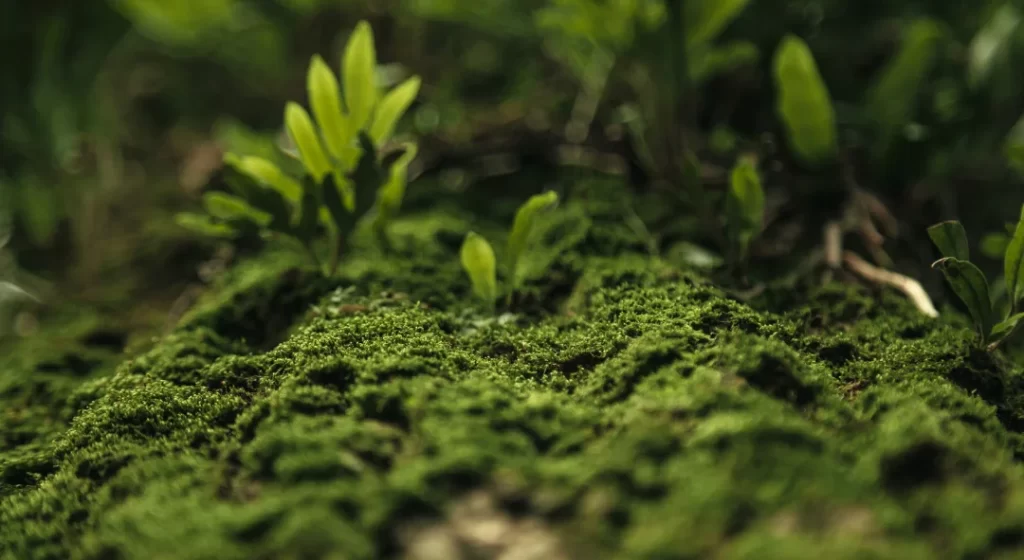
(1013, 263)
(991, 42)
(390, 195)
(745, 203)
(478, 261)
(892, 99)
(203, 225)
(970, 285)
(391, 109)
(523, 226)
(804, 103)
(302, 133)
(267, 174)
(359, 69)
(951, 239)
(705, 19)
(325, 98)
(228, 207)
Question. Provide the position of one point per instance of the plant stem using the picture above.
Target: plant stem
(339, 243)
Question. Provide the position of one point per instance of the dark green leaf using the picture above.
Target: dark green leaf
(970, 285)
(1005, 327)
(951, 239)
(309, 215)
(204, 225)
(334, 200)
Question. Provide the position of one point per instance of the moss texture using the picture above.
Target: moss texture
(631, 410)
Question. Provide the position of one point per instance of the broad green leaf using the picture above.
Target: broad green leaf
(1013, 264)
(1005, 327)
(302, 133)
(523, 226)
(804, 104)
(224, 206)
(478, 261)
(991, 43)
(203, 225)
(359, 69)
(325, 99)
(970, 285)
(892, 99)
(746, 203)
(391, 109)
(266, 173)
(705, 19)
(951, 239)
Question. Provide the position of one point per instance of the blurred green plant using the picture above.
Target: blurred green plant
(348, 170)
(972, 287)
(745, 202)
(477, 254)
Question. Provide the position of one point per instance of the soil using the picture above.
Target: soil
(629, 408)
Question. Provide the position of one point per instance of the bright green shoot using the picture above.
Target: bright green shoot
(348, 172)
(478, 258)
(744, 207)
(972, 287)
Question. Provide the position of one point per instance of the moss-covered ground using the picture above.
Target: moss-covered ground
(631, 409)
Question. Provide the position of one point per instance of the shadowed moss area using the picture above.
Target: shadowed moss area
(631, 410)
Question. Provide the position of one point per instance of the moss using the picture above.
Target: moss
(630, 410)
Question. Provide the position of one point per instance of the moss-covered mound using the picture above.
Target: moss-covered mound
(631, 410)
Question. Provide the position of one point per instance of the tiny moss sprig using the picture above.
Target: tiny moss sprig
(348, 174)
(478, 258)
(971, 286)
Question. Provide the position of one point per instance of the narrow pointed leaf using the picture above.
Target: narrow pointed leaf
(706, 19)
(478, 261)
(359, 71)
(893, 98)
(970, 285)
(325, 99)
(992, 43)
(1013, 263)
(12, 292)
(266, 173)
(524, 225)
(1005, 327)
(391, 109)
(804, 104)
(951, 239)
(300, 128)
(228, 207)
(389, 197)
(203, 225)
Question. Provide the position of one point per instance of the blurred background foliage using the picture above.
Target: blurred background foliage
(116, 112)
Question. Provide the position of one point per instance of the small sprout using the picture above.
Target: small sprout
(522, 228)
(476, 249)
(970, 285)
(347, 175)
(481, 266)
(804, 103)
(744, 206)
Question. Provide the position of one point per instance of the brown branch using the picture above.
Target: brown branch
(910, 287)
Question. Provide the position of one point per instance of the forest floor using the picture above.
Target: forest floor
(629, 408)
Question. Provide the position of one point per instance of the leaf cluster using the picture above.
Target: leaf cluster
(972, 287)
(348, 172)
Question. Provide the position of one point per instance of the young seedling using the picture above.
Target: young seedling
(744, 207)
(347, 174)
(971, 286)
(478, 258)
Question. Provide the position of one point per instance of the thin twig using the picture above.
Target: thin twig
(910, 287)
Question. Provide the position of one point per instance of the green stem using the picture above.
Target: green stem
(336, 256)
